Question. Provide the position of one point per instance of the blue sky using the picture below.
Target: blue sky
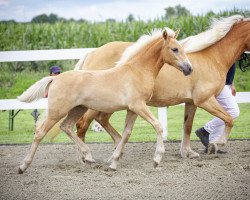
(100, 10)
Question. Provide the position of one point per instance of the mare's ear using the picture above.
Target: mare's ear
(165, 35)
(176, 33)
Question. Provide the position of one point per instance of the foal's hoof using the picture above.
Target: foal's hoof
(20, 171)
(111, 169)
(193, 155)
(156, 164)
(157, 160)
(89, 162)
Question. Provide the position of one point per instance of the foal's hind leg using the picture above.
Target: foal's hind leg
(67, 126)
(186, 150)
(103, 119)
(83, 123)
(213, 107)
(41, 131)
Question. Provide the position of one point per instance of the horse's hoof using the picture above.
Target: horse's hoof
(184, 155)
(89, 162)
(189, 154)
(193, 155)
(221, 152)
(155, 164)
(212, 148)
(112, 169)
(20, 171)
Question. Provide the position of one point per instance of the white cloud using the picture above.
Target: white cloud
(4, 2)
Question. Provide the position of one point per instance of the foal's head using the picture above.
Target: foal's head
(173, 53)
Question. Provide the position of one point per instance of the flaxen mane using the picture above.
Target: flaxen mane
(142, 42)
(219, 28)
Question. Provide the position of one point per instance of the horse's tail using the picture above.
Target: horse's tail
(80, 63)
(37, 90)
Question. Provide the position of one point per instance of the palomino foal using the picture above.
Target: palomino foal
(129, 86)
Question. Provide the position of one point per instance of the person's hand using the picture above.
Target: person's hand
(233, 90)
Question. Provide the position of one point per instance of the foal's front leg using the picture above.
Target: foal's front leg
(142, 110)
(129, 123)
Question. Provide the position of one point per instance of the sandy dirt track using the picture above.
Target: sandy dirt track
(58, 173)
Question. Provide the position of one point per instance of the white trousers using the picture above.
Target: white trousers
(216, 126)
(96, 127)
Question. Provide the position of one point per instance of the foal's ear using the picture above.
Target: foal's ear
(176, 33)
(165, 35)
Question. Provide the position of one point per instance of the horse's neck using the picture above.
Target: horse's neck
(229, 49)
(150, 59)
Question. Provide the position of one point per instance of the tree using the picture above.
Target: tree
(40, 18)
(176, 11)
(130, 18)
(170, 12)
(53, 18)
(8, 21)
(111, 20)
(43, 18)
(182, 11)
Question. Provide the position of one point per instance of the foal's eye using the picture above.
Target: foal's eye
(175, 50)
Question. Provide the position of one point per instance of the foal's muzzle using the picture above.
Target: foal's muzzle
(186, 68)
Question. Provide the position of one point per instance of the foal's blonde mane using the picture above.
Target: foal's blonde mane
(142, 42)
(219, 28)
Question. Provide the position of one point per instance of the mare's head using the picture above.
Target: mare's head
(173, 53)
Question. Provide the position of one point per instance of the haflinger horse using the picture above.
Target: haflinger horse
(129, 86)
(211, 53)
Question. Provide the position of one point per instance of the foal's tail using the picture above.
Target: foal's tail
(37, 90)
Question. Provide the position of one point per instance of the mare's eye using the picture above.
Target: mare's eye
(175, 50)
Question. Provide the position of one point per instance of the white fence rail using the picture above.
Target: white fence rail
(66, 54)
(39, 55)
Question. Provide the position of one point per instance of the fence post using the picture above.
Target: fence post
(162, 116)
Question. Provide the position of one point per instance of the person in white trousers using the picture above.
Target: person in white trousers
(215, 128)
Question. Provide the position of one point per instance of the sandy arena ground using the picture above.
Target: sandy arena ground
(58, 173)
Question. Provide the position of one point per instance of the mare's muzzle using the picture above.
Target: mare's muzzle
(186, 68)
